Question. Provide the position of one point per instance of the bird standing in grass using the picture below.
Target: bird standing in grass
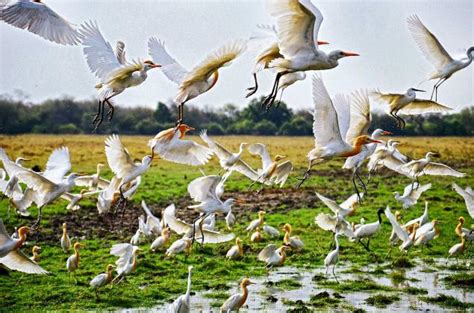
(181, 245)
(162, 240)
(127, 261)
(457, 248)
(256, 235)
(333, 257)
(461, 231)
(368, 230)
(292, 241)
(72, 263)
(182, 303)
(35, 251)
(102, 279)
(257, 222)
(236, 301)
(236, 251)
(65, 241)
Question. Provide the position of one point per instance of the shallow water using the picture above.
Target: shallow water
(258, 299)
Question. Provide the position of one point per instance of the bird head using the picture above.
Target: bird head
(461, 220)
(78, 245)
(245, 282)
(100, 166)
(183, 129)
(398, 215)
(287, 227)
(339, 54)
(166, 232)
(22, 231)
(238, 241)
(415, 90)
(190, 268)
(109, 268)
(261, 214)
(380, 132)
(36, 249)
(364, 139)
(64, 225)
(279, 157)
(20, 160)
(148, 65)
(430, 154)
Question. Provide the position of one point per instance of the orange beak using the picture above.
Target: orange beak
(155, 65)
(320, 43)
(373, 140)
(385, 133)
(350, 54)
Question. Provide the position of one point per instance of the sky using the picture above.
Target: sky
(389, 59)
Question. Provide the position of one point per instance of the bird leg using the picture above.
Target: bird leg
(279, 100)
(98, 120)
(434, 88)
(253, 89)
(180, 114)
(97, 115)
(354, 183)
(368, 243)
(366, 247)
(110, 114)
(38, 220)
(333, 267)
(270, 99)
(306, 175)
(194, 228)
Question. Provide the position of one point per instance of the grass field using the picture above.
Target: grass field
(159, 279)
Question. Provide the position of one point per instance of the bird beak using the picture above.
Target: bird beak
(386, 133)
(350, 54)
(373, 140)
(155, 65)
(419, 90)
(321, 43)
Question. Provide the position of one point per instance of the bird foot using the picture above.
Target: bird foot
(252, 90)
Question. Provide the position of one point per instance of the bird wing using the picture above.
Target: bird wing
(4, 236)
(325, 125)
(59, 163)
(175, 224)
(297, 24)
(124, 251)
(353, 199)
(169, 66)
(267, 252)
(120, 52)
(326, 221)
(415, 192)
(427, 42)
(18, 261)
(183, 151)
(215, 60)
(394, 164)
(390, 98)
(99, 54)
(231, 303)
(282, 172)
(221, 152)
(213, 237)
(153, 223)
(330, 203)
(360, 116)
(402, 234)
(118, 158)
(261, 150)
(245, 169)
(41, 20)
(343, 110)
(468, 198)
(203, 188)
(440, 169)
(420, 106)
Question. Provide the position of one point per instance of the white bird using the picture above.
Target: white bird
(411, 194)
(36, 254)
(114, 76)
(257, 222)
(270, 231)
(273, 256)
(10, 254)
(445, 66)
(236, 301)
(368, 230)
(389, 156)
(270, 53)
(181, 245)
(334, 223)
(11, 187)
(408, 104)
(230, 219)
(426, 238)
(37, 18)
(47, 190)
(339, 127)
(74, 199)
(271, 172)
(292, 241)
(182, 303)
(171, 146)
(127, 261)
(256, 235)
(236, 251)
(202, 77)
(333, 257)
(188, 230)
(122, 164)
(109, 196)
(468, 196)
(94, 181)
(406, 238)
(102, 279)
(162, 240)
(297, 26)
(422, 220)
(457, 248)
(461, 231)
(209, 223)
(230, 161)
(153, 223)
(72, 263)
(65, 241)
(347, 208)
(425, 166)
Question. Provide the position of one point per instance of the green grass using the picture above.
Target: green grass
(381, 300)
(158, 279)
(447, 301)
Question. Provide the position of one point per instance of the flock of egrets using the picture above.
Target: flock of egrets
(340, 129)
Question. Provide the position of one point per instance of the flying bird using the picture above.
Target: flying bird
(297, 26)
(38, 18)
(273, 256)
(408, 104)
(445, 66)
(468, 196)
(411, 194)
(171, 146)
(202, 77)
(272, 171)
(114, 76)
(127, 261)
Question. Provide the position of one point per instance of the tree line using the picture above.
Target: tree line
(69, 116)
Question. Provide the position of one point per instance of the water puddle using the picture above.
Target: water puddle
(298, 286)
